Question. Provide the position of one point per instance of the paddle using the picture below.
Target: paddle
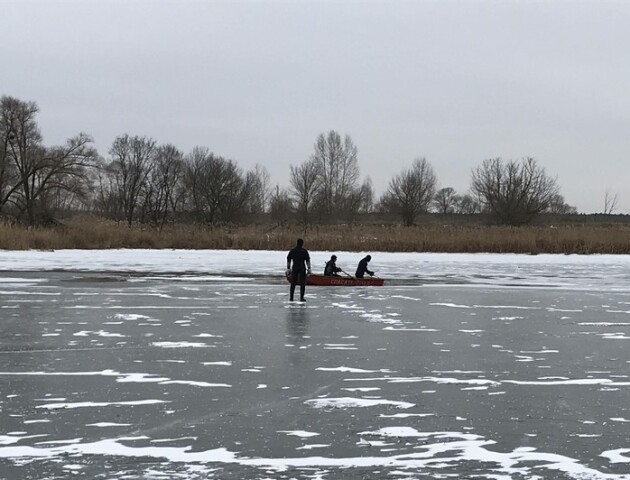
(347, 274)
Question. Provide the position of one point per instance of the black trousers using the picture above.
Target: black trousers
(298, 277)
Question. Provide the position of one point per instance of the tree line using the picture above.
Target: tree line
(147, 182)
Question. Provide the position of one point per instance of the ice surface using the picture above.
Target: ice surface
(193, 364)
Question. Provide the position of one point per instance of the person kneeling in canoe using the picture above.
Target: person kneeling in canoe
(331, 268)
(362, 268)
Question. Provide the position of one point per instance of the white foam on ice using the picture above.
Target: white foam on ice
(135, 377)
(299, 433)
(438, 450)
(311, 446)
(68, 405)
(99, 333)
(182, 344)
(107, 424)
(350, 402)
(352, 370)
(439, 380)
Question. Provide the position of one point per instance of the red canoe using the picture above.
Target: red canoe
(314, 279)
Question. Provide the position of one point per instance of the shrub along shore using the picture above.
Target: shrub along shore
(94, 233)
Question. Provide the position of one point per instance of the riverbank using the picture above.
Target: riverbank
(94, 233)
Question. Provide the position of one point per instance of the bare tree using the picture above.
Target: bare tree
(108, 201)
(194, 165)
(445, 200)
(410, 193)
(558, 206)
(219, 190)
(467, 205)
(258, 179)
(132, 162)
(64, 173)
(280, 205)
(336, 160)
(366, 196)
(610, 202)
(162, 183)
(513, 192)
(30, 173)
(20, 140)
(359, 200)
(304, 182)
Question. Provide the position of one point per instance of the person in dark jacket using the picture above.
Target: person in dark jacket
(298, 266)
(332, 269)
(362, 268)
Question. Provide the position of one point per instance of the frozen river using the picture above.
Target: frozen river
(192, 365)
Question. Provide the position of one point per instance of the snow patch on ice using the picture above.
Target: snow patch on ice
(349, 402)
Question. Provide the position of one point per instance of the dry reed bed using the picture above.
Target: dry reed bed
(94, 233)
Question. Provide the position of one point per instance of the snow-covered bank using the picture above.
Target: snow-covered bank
(569, 271)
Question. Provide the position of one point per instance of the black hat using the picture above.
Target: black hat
(334, 257)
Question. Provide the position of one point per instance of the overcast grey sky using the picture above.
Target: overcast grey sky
(455, 82)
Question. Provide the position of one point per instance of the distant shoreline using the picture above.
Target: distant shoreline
(94, 233)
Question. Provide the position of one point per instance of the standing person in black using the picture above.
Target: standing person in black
(301, 267)
(362, 268)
